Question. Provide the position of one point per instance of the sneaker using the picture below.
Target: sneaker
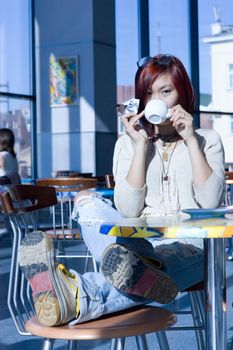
(132, 274)
(54, 289)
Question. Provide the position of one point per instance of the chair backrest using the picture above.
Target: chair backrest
(229, 183)
(229, 177)
(4, 180)
(26, 198)
(20, 203)
(109, 180)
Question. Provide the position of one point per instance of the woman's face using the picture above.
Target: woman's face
(163, 89)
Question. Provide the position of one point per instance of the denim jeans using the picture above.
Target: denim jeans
(184, 263)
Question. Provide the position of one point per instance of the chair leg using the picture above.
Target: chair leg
(72, 345)
(113, 344)
(201, 303)
(197, 319)
(120, 344)
(162, 340)
(96, 269)
(61, 251)
(86, 261)
(141, 342)
(48, 344)
(229, 250)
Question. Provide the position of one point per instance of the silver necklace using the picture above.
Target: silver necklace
(165, 176)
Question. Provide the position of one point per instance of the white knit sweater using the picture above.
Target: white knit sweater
(158, 197)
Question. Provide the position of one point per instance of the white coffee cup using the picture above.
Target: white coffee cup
(156, 111)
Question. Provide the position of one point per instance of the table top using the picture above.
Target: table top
(179, 227)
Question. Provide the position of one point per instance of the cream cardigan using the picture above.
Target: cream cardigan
(158, 197)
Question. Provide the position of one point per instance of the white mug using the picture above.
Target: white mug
(156, 111)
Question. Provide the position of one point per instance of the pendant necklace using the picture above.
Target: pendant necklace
(165, 154)
(166, 171)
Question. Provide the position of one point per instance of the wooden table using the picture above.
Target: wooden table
(213, 231)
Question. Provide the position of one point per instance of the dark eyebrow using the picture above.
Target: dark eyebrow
(166, 86)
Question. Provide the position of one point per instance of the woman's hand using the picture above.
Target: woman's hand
(182, 122)
(134, 129)
(136, 176)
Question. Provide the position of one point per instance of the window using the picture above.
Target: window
(168, 33)
(127, 48)
(15, 77)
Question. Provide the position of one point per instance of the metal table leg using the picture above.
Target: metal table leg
(215, 298)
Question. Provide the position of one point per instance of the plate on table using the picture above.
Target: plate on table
(209, 213)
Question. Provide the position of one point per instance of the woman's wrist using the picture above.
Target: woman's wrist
(141, 147)
(192, 141)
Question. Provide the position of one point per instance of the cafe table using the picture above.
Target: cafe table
(213, 230)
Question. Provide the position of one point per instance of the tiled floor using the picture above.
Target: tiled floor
(11, 340)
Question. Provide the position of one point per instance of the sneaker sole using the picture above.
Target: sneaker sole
(36, 261)
(131, 274)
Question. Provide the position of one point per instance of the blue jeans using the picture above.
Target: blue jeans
(184, 263)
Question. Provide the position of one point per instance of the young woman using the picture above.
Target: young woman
(158, 170)
(8, 160)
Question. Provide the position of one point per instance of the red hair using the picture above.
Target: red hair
(145, 77)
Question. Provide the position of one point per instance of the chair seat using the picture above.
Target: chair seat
(131, 322)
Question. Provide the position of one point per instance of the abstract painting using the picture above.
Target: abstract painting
(63, 81)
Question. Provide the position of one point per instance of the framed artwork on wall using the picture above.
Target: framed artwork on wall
(63, 81)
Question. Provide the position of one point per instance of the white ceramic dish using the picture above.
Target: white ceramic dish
(208, 213)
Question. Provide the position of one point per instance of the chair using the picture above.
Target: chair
(19, 204)
(66, 188)
(64, 229)
(109, 180)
